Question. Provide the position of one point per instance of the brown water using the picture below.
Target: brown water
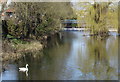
(70, 56)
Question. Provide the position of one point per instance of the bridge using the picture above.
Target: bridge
(75, 29)
(113, 30)
(71, 25)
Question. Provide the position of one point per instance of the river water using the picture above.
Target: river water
(70, 56)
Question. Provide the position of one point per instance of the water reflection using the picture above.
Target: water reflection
(11, 73)
(26, 72)
(73, 57)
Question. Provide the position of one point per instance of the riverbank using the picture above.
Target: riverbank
(14, 49)
(12, 52)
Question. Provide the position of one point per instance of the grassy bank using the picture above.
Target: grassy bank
(13, 51)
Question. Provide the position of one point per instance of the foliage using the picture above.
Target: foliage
(98, 16)
(36, 19)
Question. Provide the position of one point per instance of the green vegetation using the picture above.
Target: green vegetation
(38, 20)
(99, 16)
(35, 20)
(28, 29)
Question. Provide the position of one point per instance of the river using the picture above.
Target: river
(70, 56)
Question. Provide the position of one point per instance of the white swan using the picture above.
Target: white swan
(23, 68)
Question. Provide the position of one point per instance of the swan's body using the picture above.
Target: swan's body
(24, 68)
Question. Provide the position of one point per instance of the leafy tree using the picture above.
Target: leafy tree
(36, 19)
(98, 16)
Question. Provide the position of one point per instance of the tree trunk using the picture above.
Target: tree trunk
(4, 28)
(100, 11)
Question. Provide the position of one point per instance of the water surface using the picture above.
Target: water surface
(70, 56)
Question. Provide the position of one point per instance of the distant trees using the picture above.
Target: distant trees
(98, 16)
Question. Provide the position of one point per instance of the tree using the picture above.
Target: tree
(98, 15)
(36, 19)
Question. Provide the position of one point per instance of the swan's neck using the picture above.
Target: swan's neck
(26, 66)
